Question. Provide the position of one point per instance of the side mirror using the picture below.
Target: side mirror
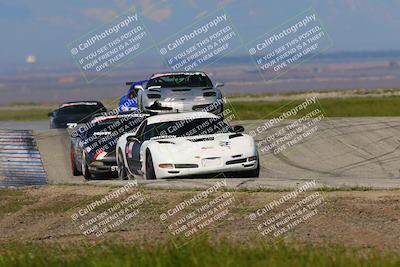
(219, 84)
(238, 129)
(138, 88)
(50, 114)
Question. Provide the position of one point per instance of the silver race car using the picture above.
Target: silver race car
(180, 92)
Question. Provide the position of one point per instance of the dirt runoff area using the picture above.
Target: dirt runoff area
(366, 219)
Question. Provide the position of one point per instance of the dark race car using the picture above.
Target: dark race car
(71, 113)
(93, 144)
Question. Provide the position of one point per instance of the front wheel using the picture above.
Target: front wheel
(85, 169)
(122, 172)
(74, 169)
(149, 172)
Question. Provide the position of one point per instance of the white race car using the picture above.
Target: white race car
(186, 144)
(180, 92)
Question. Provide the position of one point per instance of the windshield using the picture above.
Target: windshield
(180, 80)
(202, 126)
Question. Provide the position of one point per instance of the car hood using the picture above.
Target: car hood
(105, 143)
(205, 145)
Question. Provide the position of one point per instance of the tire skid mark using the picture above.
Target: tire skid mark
(374, 142)
(376, 159)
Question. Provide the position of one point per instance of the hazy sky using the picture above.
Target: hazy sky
(44, 28)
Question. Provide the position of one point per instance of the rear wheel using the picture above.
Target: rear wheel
(122, 171)
(149, 173)
(85, 169)
(74, 169)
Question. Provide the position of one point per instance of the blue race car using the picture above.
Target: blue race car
(129, 101)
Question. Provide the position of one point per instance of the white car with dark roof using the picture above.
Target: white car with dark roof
(180, 92)
(186, 144)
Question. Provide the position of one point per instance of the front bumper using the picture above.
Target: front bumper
(207, 166)
(177, 106)
(106, 165)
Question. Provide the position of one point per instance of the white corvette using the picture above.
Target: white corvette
(186, 144)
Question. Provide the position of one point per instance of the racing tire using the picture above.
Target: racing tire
(150, 173)
(85, 169)
(122, 171)
(74, 169)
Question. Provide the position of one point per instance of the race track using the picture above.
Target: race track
(343, 152)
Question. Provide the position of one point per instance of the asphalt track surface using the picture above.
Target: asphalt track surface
(343, 152)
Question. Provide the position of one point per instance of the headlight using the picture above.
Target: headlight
(251, 158)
